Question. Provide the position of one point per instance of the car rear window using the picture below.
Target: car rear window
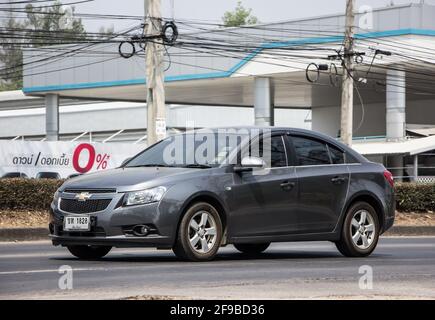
(350, 158)
(337, 156)
(310, 152)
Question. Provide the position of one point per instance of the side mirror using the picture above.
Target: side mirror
(250, 163)
(125, 161)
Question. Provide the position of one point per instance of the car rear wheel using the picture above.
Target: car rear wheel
(200, 233)
(251, 248)
(360, 232)
(89, 252)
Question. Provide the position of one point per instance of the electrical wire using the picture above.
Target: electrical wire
(240, 43)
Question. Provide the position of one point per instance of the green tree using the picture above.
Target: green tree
(53, 25)
(43, 26)
(106, 32)
(11, 55)
(239, 17)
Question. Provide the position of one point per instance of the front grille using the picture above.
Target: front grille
(88, 206)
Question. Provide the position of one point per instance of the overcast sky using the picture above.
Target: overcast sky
(213, 10)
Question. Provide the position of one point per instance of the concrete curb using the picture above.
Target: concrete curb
(27, 234)
(411, 231)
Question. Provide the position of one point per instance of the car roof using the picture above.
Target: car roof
(290, 130)
(273, 129)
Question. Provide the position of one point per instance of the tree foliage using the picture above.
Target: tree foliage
(106, 32)
(239, 17)
(42, 26)
(11, 56)
(57, 21)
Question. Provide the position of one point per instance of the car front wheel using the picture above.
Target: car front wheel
(89, 252)
(199, 234)
(360, 232)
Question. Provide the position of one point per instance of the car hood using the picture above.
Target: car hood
(123, 179)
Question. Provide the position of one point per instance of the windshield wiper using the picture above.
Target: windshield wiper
(150, 165)
(191, 165)
(197, 165)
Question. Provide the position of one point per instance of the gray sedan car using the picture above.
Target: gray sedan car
(249, 187)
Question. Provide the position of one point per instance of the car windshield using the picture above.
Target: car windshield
(194, 150)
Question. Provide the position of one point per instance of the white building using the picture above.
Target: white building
(23, 117)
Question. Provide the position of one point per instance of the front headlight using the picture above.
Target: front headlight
(144, 196)
(56, 196)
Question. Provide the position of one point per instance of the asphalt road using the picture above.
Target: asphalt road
(402, 268)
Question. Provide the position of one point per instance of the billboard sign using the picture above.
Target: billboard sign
(31, 158)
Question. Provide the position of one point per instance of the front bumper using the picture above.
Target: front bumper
(113, 226)
(113, 241)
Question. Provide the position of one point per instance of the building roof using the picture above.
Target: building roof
(206, 71)
(426, 132)
(408, 147)
(16, 99)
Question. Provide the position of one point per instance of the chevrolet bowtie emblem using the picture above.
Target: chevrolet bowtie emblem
(83, 196)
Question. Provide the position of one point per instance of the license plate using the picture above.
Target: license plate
(76, 223)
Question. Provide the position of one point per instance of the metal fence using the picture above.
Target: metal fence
(424, 174)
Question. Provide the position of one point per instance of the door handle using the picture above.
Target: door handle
(287, 185)
(338, 180)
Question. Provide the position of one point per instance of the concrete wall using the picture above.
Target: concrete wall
(210, 116)
(420, 112)
(74, 119)
(327, 120)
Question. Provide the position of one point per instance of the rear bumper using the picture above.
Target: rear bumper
(388, 223)
(389, 212)
(113, 241)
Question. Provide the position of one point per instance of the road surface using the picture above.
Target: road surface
(402, 268)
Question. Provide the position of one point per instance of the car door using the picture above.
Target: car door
(322, 183)
(265, 204)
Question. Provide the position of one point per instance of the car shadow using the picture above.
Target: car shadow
(168, 256)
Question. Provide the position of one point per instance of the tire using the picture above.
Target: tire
(89, 252)
(364, 241)
(251, 248)
(194, 242)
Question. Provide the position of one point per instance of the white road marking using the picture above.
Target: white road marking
(61, 254)
(49, 271)
(223, 264)
(275, 248)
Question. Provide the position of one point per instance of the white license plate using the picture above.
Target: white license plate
(76, 223)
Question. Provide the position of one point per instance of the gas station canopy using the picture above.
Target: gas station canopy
(217, 74)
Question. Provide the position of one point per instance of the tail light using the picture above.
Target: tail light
(389, 177)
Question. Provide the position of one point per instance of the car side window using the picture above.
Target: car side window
(337, 156)
(310, 152)
(350, 158)
(277, 153)
(278, 156)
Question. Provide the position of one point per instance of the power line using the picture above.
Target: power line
(12, 3)
(46, 6)
(214, 41)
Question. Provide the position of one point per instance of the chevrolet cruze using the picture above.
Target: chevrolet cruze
(249, 187)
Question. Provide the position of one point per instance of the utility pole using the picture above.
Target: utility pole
(347, 86)
(156, 122)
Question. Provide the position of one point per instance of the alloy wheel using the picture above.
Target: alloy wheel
(362, 229)
(202, 232)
